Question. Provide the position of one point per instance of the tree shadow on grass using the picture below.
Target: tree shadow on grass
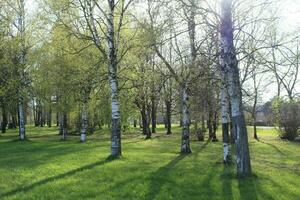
(161, 176)
(247, 188)
(53, 178)
(226, 178)
(250, 189)
(274, 147)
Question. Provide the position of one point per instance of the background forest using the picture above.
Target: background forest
(114, 70)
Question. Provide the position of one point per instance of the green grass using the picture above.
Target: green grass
(45, 168)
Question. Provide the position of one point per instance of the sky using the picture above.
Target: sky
(290, 12)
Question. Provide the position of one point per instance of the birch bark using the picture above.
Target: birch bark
(229, 65)
(84, 122)
(185, 140)
(113, 82)
(225, 121)
(21, 30)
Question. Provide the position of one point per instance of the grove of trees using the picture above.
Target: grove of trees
(84, 64)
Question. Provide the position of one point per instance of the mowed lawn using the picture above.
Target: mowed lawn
(46, 168)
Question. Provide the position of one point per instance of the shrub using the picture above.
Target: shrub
(288, 119)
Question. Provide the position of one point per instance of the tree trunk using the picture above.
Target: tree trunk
(153, 114)
(148, 131)
(42, 119)
(84, 122)
(254, 128)
(22, 133)
(225, 120)
(229, 64)
(49, 118)
(113, 82)
(61, 123)
(185, 141)
(14, 121)
(209, 124)
(64, 126)
(168, 117)
(21, 110)
(37, 116)
(4, 120)
(232, 134)
(215, 127)
(57, 119)
(254, 108)
(134, 123)
(145, 120)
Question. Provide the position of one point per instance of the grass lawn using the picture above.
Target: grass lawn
(46, 168)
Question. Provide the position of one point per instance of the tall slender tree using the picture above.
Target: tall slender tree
(229, 66)
(21, 68)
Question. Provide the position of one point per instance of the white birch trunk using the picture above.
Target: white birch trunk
(63, 124)
(185, 141)
(21, 30)
(113, 82)
(229, 65)
(225, 122)
(21, 119)
(84, 122)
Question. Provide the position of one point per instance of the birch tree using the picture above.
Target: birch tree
(104, 20)
(229, 67)
(14, 14)
(225, 117)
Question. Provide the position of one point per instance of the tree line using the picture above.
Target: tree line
(92, 63)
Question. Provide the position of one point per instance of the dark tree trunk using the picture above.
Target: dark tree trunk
(232, 134)
(61, 123)
(209, 125)
(4, 120)
(57, 119)
(145, 120)
(34, 113)
(134, 123)
(165, 122)
(215, 127)
(153, 114)
(168, 117)
(42, 119)
(49, 117)
(45, 118)
(254, 128)
(37, 117)
(14, 121)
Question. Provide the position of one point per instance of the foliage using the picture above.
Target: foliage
(287, 117)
